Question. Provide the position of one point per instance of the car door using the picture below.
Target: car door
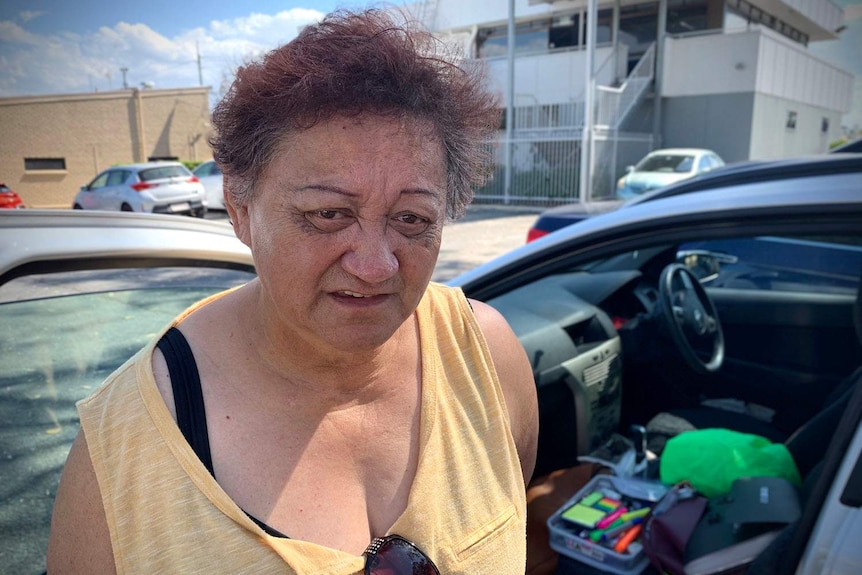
(785, 306)
(93, 194)
(116, 191)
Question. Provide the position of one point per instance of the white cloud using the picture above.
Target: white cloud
(28, 15)
(69, 62)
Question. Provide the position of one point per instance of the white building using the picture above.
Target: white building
(735, 76)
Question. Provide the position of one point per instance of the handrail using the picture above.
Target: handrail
(614, 104)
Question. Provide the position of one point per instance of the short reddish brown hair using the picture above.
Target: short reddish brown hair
(353, 63)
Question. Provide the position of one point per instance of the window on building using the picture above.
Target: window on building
(564, 31)
(791, 120)
(824, 125)
(686, 16)
(755, 15)
(37, 164)
(529, 37)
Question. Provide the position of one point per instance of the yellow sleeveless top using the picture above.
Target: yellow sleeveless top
(466, 508)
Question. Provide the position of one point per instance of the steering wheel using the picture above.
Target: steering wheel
(691, 319)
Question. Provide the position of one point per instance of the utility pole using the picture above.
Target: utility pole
(200, 70)
(125, 84)
(510, 102)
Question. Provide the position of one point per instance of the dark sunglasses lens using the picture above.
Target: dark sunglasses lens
(398, 557)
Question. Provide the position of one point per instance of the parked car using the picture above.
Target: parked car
(9, 198)
(850, 147)
(211, 177)
(159, 187)
(662, 167)
(602, 309)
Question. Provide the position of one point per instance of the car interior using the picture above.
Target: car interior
(638, 348)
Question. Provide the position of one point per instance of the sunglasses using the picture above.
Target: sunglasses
(394, 555)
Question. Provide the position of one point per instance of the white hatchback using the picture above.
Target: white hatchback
(157, 187)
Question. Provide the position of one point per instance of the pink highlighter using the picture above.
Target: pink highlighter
(608, 519)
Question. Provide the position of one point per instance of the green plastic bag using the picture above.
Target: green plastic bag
(712, 459)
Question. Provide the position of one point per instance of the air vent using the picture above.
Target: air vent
(598, 372)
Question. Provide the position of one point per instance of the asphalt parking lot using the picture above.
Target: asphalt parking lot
(481, 235)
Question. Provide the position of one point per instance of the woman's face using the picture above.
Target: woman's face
(345, 228)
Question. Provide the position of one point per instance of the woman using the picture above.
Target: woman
(341, 398)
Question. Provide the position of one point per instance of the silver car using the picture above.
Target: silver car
(157, 187)
(211, 177)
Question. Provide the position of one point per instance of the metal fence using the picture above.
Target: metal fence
(546, 166)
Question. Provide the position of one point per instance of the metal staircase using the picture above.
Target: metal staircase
(613, 104)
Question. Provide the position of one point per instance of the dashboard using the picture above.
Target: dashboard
(568, 325)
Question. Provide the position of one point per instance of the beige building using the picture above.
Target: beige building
(52, 145)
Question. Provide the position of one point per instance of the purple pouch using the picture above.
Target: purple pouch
(666, 534)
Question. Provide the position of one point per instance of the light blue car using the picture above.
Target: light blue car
(663, 167)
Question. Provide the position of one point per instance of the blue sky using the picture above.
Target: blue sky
(69, 46)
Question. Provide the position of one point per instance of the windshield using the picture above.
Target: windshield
(61, 335)
(666, 163)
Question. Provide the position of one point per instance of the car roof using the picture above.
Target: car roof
(751, 205)
(91, 240)
(144, 165)
(680, 151)
(752, 171)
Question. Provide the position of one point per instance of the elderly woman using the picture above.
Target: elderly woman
(340, 399)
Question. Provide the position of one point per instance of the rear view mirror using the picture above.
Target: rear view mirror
(703, 264)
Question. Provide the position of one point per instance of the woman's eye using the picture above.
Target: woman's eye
(327, 220)
(411, 224)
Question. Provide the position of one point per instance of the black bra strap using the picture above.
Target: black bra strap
(189, 403)
(188, 397)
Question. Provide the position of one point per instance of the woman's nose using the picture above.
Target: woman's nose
(371, 258)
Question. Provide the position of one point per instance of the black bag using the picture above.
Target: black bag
(738, 526)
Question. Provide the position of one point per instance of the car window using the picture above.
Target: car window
(80, 326)
(117, 177)
(100, 181)
(704, 164)
(207, 169)
(685, 164)
(163, 172)
(790, 264)
(666, 163)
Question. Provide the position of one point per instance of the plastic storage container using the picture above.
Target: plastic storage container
(571, 538)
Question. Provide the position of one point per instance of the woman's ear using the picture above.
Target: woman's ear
(238, 213)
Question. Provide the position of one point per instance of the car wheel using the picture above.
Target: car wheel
(199, 213)
(126, 208)
(77, 207)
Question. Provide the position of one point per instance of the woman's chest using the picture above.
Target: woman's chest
(337, 480)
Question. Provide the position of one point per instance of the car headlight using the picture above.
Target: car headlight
(621, 183)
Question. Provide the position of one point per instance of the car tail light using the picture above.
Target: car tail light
(194, 180)
(141, 186)
(534, 234)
